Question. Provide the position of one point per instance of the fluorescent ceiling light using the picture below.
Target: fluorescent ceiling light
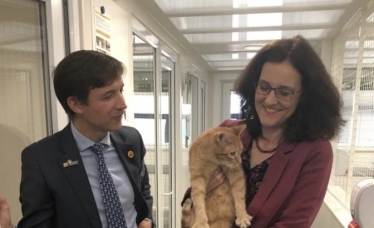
(253, 47)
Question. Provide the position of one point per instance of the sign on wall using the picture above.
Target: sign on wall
(102, 32)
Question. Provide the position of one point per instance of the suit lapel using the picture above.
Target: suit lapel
(76, 174)
(272, 176)
(130, 157)
(126, 153)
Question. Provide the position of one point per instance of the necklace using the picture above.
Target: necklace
(262, 150)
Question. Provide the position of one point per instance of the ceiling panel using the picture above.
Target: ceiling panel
(228, 33)
(252, 36)
(171, 5)
(241, 63)
(256, 20)
(228, 57)
(232, 68)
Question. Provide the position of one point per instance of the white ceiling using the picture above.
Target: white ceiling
(221, 34)
(227, 33)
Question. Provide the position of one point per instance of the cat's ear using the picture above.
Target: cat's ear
(239, 128)
(220, 137)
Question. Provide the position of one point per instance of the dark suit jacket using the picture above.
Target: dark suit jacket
(294, 184)
(53, 196)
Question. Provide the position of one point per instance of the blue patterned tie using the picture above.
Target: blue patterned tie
(112, 204)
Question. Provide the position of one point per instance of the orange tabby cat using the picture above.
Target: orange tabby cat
(217, 147)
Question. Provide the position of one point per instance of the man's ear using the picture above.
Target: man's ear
(74, 105)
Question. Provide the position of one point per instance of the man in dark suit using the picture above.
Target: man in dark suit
(91, 173)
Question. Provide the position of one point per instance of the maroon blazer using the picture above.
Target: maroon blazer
(294, 184)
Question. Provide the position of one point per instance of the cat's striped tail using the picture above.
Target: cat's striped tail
(186, 213)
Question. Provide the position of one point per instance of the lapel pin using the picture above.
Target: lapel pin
(130, 154)
(69, 163)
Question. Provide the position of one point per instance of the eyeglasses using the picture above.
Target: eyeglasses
(281, 93)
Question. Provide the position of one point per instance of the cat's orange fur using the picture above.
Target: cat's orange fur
(220, 208)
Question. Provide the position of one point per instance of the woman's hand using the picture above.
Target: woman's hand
(217, 178)
(5, 221)
(145, 224)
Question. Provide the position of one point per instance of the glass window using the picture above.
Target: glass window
(24, 88)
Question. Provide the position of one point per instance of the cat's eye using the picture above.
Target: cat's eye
(233, 153)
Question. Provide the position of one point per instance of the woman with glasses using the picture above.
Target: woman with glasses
(292, 109)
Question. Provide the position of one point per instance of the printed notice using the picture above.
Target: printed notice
(103, 26)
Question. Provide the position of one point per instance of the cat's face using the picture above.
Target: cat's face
(220, 145)
(229, 149)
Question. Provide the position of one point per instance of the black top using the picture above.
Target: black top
(253, 175)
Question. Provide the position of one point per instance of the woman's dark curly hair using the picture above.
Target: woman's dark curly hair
(318, 113)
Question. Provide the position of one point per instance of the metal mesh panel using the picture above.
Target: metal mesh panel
(353, 71)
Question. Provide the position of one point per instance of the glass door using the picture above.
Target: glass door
(25, 115)
(194, 123)
(190, 109)
(154, 74)
(165, 132)
(201, 126)
(144, 66)
(189, 127)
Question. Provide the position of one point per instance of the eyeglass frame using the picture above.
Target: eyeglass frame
(275, 90)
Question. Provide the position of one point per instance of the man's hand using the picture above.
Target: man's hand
(145, 224)
(5, 221)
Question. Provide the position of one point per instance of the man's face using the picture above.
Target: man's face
(103, 112)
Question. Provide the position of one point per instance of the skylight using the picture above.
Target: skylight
(254, 20)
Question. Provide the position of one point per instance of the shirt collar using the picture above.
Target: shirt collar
(83, 142)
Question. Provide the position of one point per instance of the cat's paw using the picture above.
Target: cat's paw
(243, 221)
(200, 225)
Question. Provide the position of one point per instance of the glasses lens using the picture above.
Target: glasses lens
(263, 89)
(284, 94)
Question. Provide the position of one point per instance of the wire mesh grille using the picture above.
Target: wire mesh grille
(353, 71)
